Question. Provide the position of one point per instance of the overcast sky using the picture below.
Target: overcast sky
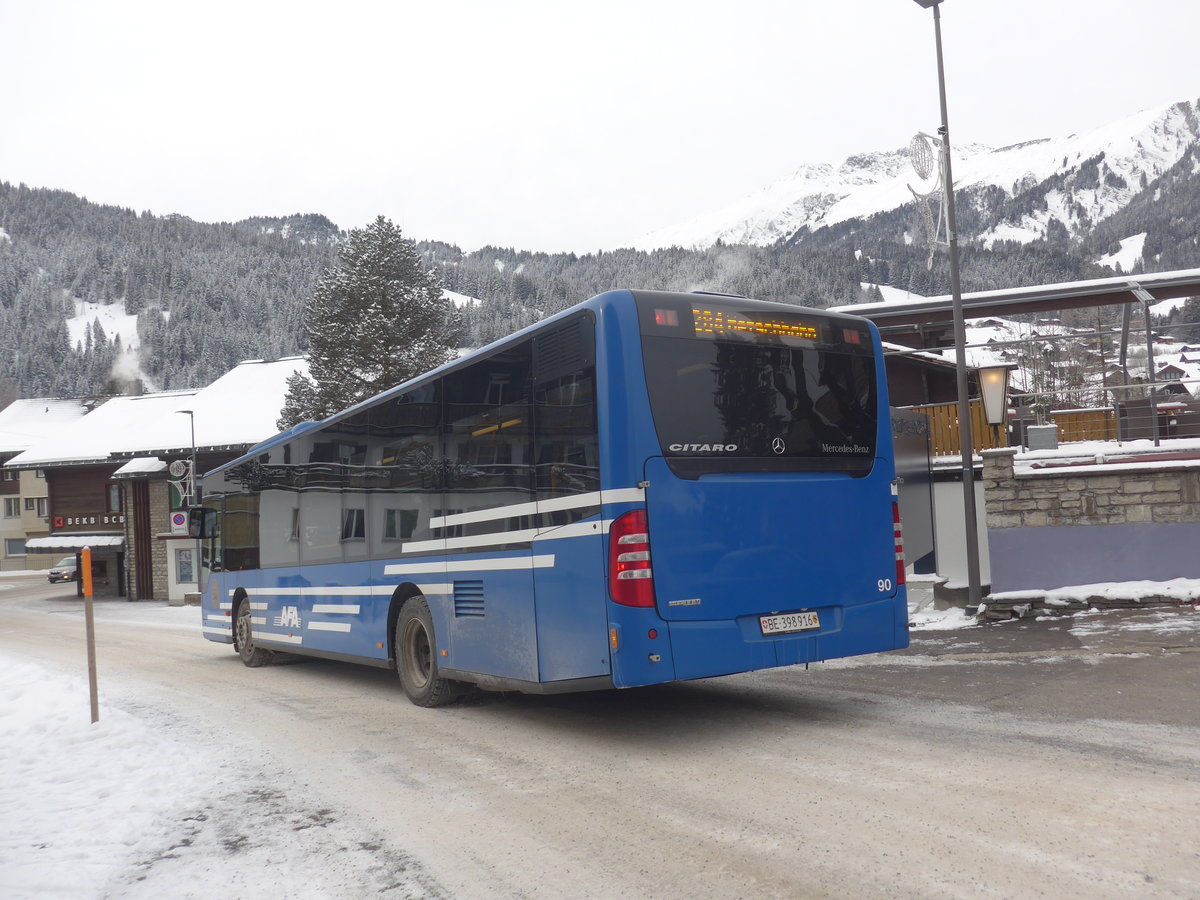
(540, 125)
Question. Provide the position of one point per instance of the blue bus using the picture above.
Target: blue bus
(647, 487)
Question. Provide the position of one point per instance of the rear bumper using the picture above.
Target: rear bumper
(707, 649)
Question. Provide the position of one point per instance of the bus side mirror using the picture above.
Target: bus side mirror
(200, 522)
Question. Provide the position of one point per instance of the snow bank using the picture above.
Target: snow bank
(1182, 590)
(143, 805)
(941, 619)
(77, 798)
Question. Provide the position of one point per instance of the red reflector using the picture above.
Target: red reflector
(850, 336)
(630, 578)
(666, 317)
(898, 531)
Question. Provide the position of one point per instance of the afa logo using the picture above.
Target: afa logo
(289, 617)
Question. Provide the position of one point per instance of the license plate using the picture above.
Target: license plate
(789, 623)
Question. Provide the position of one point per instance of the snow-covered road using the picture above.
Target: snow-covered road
(318, 779)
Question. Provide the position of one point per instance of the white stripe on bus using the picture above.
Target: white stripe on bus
(472, 565)
(329, 626)
(516, 510)
(333, 609)
(575, 529)
(354, 591)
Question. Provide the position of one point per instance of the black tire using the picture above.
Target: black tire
(416, 657)
(243, 640)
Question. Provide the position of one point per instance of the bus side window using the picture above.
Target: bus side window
(488, 433)
(404, 458)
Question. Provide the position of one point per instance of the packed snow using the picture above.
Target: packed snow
(143, 804)
(146, 803)
(1182, 590)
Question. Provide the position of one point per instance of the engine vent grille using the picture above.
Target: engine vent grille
(468, 599)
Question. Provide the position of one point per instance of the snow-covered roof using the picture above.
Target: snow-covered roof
(24, 423)
(235, 411)
(74, 541)
(104, 431)
(141, 465)
(1052, 293)
(928, 356)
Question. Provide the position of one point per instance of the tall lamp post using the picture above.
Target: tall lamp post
(192, 499)
(970, 525)
(192, 473)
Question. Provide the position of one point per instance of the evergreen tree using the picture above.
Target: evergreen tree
(375, 319)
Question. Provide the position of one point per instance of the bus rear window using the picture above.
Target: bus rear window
(732, 390)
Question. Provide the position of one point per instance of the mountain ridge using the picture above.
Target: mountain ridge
(1133, 151)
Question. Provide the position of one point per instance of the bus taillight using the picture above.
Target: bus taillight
(630, 578)
(898, 530)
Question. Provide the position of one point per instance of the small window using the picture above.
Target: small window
(12, 507)
(449, 530)
(42, 509)
(10, 475)
(14, 546)
(41, 473)
(354, 524)
(399, 524)
(29, 503)
(184, 570)
(114, 498)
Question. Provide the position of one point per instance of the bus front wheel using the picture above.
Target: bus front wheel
(416, 661)
(243, 641)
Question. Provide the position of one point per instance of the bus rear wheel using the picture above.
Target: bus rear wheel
(416, 660)
(243, 640)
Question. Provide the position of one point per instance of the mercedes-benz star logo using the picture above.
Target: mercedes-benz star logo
(778, 445)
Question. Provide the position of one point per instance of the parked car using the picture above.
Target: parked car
(63, 570)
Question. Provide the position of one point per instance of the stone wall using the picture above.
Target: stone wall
(1114, 520)
(160, 523)
(1073, 496)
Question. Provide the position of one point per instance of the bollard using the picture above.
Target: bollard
(85, 576)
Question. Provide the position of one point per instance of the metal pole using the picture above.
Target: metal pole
(195, 499)
(1147, 298)
(970, 526)
(89, 620)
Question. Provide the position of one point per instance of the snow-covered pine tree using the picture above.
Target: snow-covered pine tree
(375, 319)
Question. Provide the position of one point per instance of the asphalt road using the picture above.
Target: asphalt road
(1049, 758)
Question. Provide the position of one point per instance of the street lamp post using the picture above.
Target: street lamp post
(192, 472)
(970, 526)
(197, 551)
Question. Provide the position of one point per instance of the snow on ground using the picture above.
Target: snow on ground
(459, 300)
(1164, 622)
(142, 805)
(1184, 590)
(930, 619)
(892, 294)
(1129, 254)
(112, 317)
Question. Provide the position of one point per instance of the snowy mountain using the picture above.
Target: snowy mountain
(1034, 190)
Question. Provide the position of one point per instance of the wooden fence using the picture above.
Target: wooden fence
(1085, 424)
(1073, 425)
(944, 437)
